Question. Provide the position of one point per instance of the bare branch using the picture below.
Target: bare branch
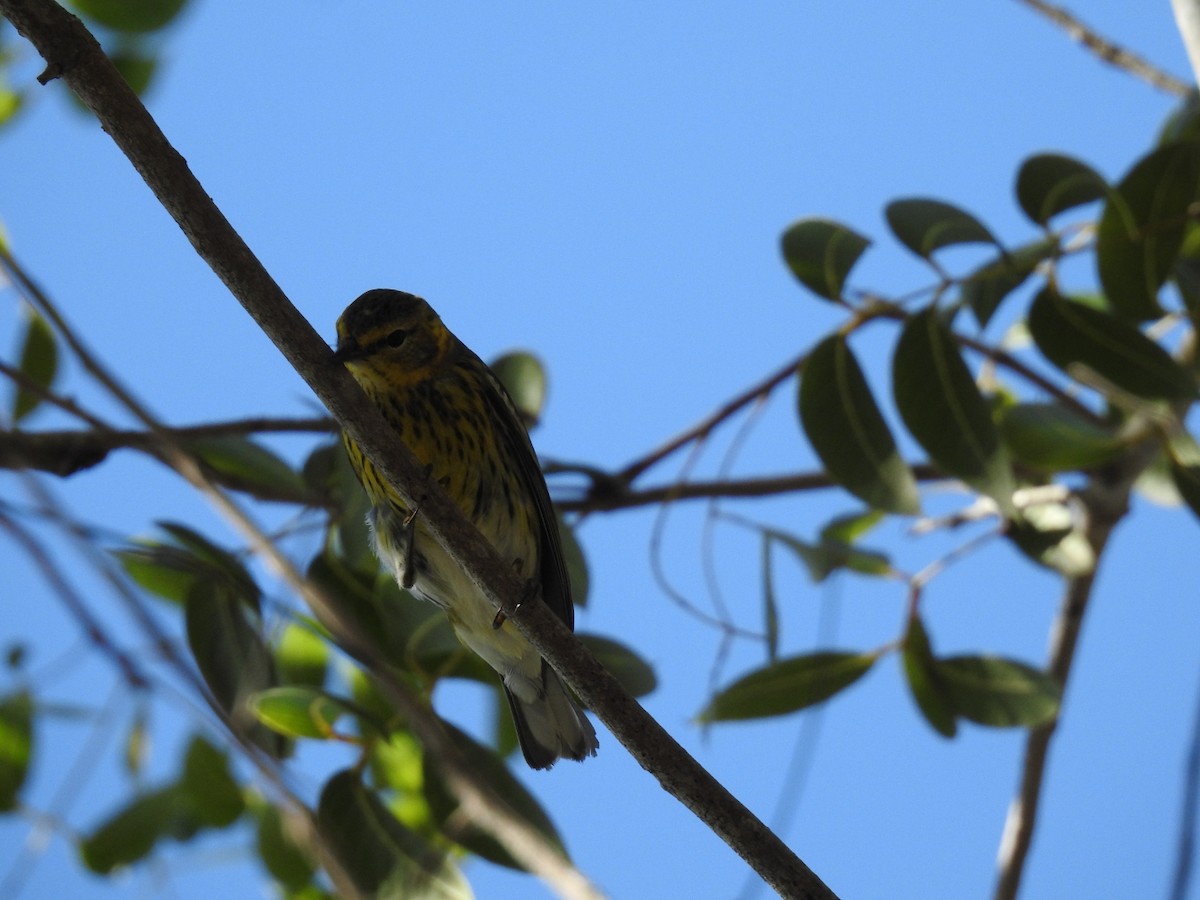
(1105, 500)
(1109, 52)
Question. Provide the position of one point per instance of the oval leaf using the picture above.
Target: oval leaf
(1142, 228)
(16, 745)
(499, 778)
(924, 225)
(243, 465)
(1053, 438)
(383, 858)
(524, 377)
(944, 410)
(214, 796)
(131, 833)
(1049, 183)
(302, 656)
(38, 363)
(999, 692)
(1073, 334)
(121, 15)
(921, 670)
(788, 685)
(821, 254)
(286, 858)
(302, 712)
(231, 656)
(635, 674)
(846, 429)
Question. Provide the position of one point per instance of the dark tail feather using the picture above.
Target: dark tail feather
(551, 727)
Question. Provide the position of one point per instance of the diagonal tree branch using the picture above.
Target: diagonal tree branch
(73, 54)
(1111, 53)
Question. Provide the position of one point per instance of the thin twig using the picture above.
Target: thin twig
(1185, 848)
(766, 486)
(75, 604)
(1108, 51)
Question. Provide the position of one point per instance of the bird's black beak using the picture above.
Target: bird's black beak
(348, 351)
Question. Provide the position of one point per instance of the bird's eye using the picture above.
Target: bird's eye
(396, 338)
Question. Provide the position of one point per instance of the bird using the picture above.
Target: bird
(456, 417)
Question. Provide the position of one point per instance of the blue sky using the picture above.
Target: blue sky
(606, 186)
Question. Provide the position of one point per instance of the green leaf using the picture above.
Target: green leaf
(38, 363)
(849, 527)
(770, 605)
(787, 686)
(846, 429)
(576, 562)
(492, 770)
(302, 712)
(1054, 438)
(236, 577)
(1049, 183)
(1183, 456)
(999, 692)
(830, 555)
(137, 16)
(925, 226)
(131, 833)
(384, 859)
(985, 288)
(11, 103)
(284, 856)
(16, 746)
(921, 670)
(214, 796)
(944, 410)
(136, 68)
(1142, 228)
(166, 570)
(524, 377)
(1052, 535)
(1071, 334)
(231, 656)
(821, 254)
(302, 656)
(243, 465)
(635, 674)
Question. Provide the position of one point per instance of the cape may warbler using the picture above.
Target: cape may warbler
(455, 416)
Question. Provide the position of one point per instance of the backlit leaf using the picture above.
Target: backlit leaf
(38, 363)
(1049, 183)
(787, 686)
(524, 377)
(1142, 228)
(846, 429)
(635, 674)
(1073, 334)
(924, 225)
(491, 769)
(384, 859)
(944, 410)
(133, 16)
(16, 746)
(924, 681)
(231, 656)
(821, 254)
(999, 692)
(1054, 438)
(247, 466)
